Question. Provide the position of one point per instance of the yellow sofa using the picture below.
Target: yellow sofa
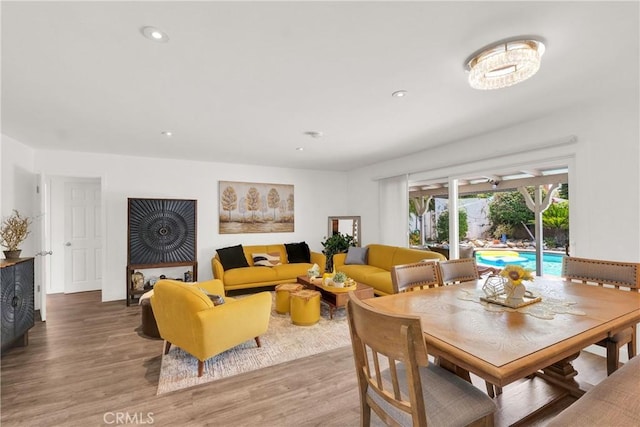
(256, 276)
(188, 319)
(380, 258)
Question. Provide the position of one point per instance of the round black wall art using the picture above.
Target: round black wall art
(161, 231)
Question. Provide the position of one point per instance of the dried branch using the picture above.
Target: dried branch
(14, 230)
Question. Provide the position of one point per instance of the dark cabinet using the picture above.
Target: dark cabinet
(161, 233)
(16, 304)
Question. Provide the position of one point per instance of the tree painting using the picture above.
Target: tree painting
(229, 200)
(249, 207)
(253, 202)
(274, 201)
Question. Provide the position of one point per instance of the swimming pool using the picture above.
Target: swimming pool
(551, 262)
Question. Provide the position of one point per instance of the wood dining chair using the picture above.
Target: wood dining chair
(607, 274)
(462, 270)
(417, 275)
(396, 380)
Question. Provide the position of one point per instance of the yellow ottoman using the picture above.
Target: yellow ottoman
(282, 296)
(305, 307)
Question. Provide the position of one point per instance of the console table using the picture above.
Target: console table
(16, 301)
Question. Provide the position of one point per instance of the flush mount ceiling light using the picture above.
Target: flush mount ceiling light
(155, 34)
(504, 64)
(399, 93)
(167, 133)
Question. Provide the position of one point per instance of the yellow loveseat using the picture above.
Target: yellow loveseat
(188, 319)
(256, 276)
(380, 258)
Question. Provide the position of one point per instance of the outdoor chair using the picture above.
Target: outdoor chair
(609, 274)
(417, 275)
(396, 380)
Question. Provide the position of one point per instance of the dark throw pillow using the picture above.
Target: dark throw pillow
(232, 257)
(356, 255)
(298, 252)
(215, 299)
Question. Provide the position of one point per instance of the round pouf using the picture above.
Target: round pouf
(149, 325)
(282, 296)
(305, 307)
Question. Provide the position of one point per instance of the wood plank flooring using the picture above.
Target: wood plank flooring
(89, 365)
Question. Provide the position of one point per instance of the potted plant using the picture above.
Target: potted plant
(338, 243)
(14, 230)
(339, 278)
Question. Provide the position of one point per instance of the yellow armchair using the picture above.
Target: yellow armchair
(187, 318)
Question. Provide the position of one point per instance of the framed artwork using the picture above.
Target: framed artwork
(251, 207)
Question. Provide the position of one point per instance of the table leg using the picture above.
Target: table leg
(562, 373)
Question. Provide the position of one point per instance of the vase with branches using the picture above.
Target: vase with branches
(13, 231)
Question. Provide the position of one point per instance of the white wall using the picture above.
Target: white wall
(18, 185)
(123, 177)
(604, 172)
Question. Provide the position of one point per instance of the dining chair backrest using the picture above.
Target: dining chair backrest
(601, 272)
(417, 275)
(380, 339)
(396, 380)
(458, 270)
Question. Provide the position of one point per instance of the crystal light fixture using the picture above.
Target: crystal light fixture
(504, 64)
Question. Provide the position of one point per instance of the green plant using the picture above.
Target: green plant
(509, 208)
(442, 227)
(339, 277)
(414, 238)
(501, 229)
(335, 244)
(14, 230)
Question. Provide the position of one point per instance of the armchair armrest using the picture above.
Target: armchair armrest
(214, 286)
(216, 267)
(320, 259)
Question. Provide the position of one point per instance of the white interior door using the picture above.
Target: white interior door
(41, 221)
(83, 240)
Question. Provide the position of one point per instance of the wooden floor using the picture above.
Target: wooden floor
(89, 365)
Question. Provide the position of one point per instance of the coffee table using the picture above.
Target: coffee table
(336, 298)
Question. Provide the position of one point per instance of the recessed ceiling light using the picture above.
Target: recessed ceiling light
(167, 133)
(300, 148)
(399, 93)
(155, 34)
(314, 134)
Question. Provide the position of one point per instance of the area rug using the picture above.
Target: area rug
(282, 343)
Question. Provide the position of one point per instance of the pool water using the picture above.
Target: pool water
(551, 263)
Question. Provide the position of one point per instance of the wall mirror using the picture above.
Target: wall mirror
(346, 225)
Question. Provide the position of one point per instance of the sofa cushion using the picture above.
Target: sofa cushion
(266, 259)
(356, 255)
(359, 273)
(380, 281)
(288, 271)
(298, 252)
(232, 257)
(240, 276)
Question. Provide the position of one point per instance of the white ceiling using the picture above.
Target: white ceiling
(241, 82)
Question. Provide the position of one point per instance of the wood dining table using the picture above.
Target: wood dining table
(505, 345)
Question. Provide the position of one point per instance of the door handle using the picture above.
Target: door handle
(43, 253)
